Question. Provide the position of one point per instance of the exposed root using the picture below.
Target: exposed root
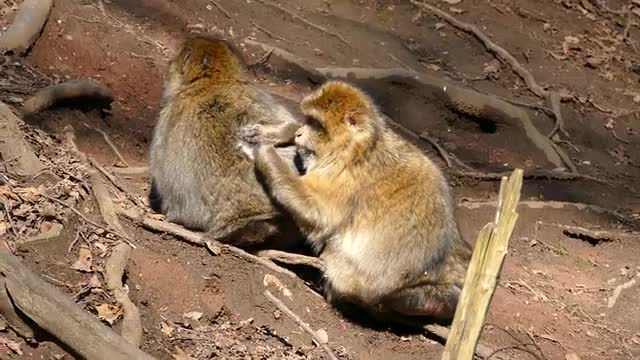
(26, 27)
(113, 146)
(223, 10)
(443, 154)
(617, 291)
(535, 174)
(134, 198)
(69, 90)
(128, 170)
(18, 155)
(305, 21)
(554, 98)
(304, 326)
(114, 270)
(201, 240)
(292, 259)
(10, 315)
(101, 193)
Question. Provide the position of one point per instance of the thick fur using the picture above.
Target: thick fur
(202, 172)
(376, 209)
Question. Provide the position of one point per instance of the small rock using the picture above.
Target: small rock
(322, 336)
(193, 315)
(439, 26)
(546, 27)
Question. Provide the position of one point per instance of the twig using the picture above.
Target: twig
(85, 218)
(400, 62)
(73, 243)
(304, 326)
(272, 35)
(225, 12)
(201, 240)
(110, 143)
(443, 154)
(131, 328)
(116, 183)
(128, 170)
(292, 259)
(307, 22)
(554, 98)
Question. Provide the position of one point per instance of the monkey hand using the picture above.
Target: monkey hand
(256, 134)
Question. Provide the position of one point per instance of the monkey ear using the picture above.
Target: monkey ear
(354, 119)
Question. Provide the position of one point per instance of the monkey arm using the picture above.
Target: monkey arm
(286, 187)
(270, 134)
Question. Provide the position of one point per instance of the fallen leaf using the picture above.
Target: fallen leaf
(572, 356)
(166, 329)
(193, 315)
(109, 313)
(84, 261)
(452, 2)
(456, 10)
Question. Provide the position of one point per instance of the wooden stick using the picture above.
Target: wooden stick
(482, 276)
(304, 326)
(292, 259)
(57, 314)
(113, 146)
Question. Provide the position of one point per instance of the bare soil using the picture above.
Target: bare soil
(553, 296)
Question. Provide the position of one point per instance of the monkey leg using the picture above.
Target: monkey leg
(437, 301)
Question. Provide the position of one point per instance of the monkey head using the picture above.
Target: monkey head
(340, 120)
(204, 57)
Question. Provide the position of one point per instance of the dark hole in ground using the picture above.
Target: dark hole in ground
(594, 241)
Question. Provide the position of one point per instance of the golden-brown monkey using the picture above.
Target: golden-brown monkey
(375, 208)
(201, 174)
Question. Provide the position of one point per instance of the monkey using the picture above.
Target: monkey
(375, 208)
(201, 171)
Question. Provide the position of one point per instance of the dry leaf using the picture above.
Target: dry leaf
(193, 315)
(166, 329)
(270, 280)
(455, 10)
(84, 260)
(48, 230)
(181, 355)
(109, 313)
(572, 356)
(452, 2)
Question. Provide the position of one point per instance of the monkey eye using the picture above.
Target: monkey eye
(313, 122)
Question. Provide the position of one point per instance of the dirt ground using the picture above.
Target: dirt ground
(556, 287)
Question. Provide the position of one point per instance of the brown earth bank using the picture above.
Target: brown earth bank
(555, 298)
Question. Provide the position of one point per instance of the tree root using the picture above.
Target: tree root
(554, 98)
(114, 270)
(459, 99)
(26, 27)
(65, 91)
(57, 314)
(292, 259)
(215, 246)
(16, 152)
(535, 174)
